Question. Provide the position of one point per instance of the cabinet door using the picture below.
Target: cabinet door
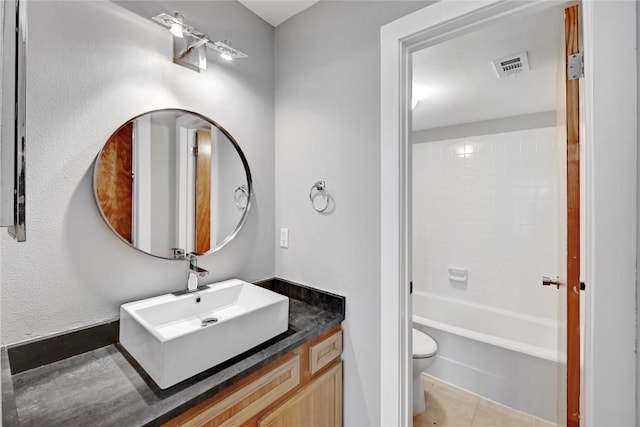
(248, 401)
(318, 404)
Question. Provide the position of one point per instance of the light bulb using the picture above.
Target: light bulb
(420, 92)
(176, 30)
(226, 56)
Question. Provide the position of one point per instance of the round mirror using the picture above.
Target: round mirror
(172, 182)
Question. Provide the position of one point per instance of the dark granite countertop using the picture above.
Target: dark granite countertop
(106, 387)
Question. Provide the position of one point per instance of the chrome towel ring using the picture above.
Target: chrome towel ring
(320, 192)
(240, 193)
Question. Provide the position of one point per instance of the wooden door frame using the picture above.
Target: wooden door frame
(610, 361)
(572, 286)
(203, 213)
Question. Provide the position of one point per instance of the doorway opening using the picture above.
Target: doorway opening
(489, 220)
(611, 115)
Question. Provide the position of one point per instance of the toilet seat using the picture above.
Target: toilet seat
(423, 345)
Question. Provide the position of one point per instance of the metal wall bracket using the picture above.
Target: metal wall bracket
(575, 66)
(190, 52)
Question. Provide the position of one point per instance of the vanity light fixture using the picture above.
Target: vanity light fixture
(189, 44)
(176, 27)
(226, 51)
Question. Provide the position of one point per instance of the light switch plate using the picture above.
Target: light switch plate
(284, 237)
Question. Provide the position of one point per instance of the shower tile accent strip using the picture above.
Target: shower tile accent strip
(113, 383)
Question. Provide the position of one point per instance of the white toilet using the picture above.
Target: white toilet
(424, 353)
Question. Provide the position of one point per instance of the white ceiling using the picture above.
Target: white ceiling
(275, 12)
(463, 86)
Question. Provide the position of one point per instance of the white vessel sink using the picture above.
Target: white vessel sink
(174, 337)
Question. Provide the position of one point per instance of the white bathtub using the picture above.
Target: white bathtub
(526, 334)
(503, 356)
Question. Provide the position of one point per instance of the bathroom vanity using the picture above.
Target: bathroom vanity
(224, 354)
(296, 374)
(303, 387)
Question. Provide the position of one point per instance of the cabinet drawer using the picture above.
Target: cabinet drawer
(247, 402)
(317, 404)
(322, 353)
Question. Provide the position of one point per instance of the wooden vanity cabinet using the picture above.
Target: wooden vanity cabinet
(319, 404)
(301, 388)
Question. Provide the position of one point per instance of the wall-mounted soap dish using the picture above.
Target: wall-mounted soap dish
(457, 274)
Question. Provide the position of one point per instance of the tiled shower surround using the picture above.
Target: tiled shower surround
(488, 204)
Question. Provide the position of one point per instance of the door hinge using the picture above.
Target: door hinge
(194, 151)
(411, 287)
(575, 66)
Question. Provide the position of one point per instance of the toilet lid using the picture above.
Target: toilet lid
(423, 345)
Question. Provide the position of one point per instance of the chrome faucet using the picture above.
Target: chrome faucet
(193, 272)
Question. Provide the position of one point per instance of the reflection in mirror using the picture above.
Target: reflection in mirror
(172, 182)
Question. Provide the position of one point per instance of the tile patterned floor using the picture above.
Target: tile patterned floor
(448, 406)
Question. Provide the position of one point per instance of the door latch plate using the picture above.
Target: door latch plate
(548, 281)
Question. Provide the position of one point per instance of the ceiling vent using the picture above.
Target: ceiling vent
(510, 65)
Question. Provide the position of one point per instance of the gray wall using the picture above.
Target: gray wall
(228, 176)
(328, 127)
(638, 233)
(1, 75)
(91, 67)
